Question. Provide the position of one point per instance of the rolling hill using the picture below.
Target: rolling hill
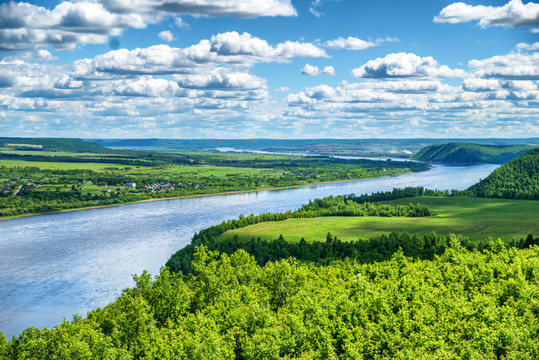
(518, 179)
(470, 154)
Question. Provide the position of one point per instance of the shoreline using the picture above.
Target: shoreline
(190, 197)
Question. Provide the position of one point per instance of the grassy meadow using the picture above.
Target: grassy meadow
(476, 218)
(45, 165)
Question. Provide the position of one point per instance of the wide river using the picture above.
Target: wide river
(53, 266)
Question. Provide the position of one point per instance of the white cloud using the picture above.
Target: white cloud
(214, 8)
(512, 66)
(350, 43)
(282, 89)
(290, 49)
(166, 36)
(36, 56)
(221, 79)
(512, 14)
(528, 47)
(476, 84)
(328, 70)
(145, 86)
(312, 70)
(313, 8)
(180, 23)
(27, 26)
(226, 48)
(405, 65)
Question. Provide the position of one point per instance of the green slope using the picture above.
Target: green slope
(469, 154)
(518, 179)
(52, 144)
(472, 217)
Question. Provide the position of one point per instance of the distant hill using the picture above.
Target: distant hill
(518, 179)
(52, 144)
(469, 154)
(396, 146)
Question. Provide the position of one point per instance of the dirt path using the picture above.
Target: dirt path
(17, 191)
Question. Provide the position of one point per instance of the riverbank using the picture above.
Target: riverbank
(192, 196)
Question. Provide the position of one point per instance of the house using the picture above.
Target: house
(131, 185)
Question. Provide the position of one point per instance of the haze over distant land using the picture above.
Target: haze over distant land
(282, 69)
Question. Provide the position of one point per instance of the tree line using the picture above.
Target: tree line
(461, 304)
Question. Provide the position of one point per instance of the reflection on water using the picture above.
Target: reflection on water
(52, 266)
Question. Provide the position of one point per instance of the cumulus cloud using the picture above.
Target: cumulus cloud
(511, 66)
(145, 86)
(166, 36)
(36, 56)
(405, 65)
(28, 26)
(226, 48)
(215, 8)
(314, 70)
(512, 14)
(350, 43)
(221, 79)
(353, 43)
(528, 47)
(282, 89)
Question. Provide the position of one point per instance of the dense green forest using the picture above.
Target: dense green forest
(52, 144)
(460, 305)
(518, 179)
(469, 154)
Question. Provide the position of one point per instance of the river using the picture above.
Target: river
(53, 266)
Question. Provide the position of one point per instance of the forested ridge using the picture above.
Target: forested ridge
(469, 154)
(518, 179)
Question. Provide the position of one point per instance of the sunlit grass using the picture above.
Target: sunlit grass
(475, 218)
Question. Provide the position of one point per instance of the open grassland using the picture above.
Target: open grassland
(215, 171)
(59, 165)
(57, 153)
(476, 218)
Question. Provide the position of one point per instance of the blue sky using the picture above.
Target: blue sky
(269, 69)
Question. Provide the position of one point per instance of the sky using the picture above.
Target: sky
(284, 69)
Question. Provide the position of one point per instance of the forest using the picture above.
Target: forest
(469, 153)
(460, 305)
(518, 179)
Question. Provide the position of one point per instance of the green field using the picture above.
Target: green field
(476, 218)
(216, 171)
(59, 165)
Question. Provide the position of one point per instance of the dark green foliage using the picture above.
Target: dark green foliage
(378, 248)
(469, 154)
(56, 144)
(460, 305)
(329, 206)
(518, 179)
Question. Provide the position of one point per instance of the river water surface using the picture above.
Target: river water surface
(53, 266)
